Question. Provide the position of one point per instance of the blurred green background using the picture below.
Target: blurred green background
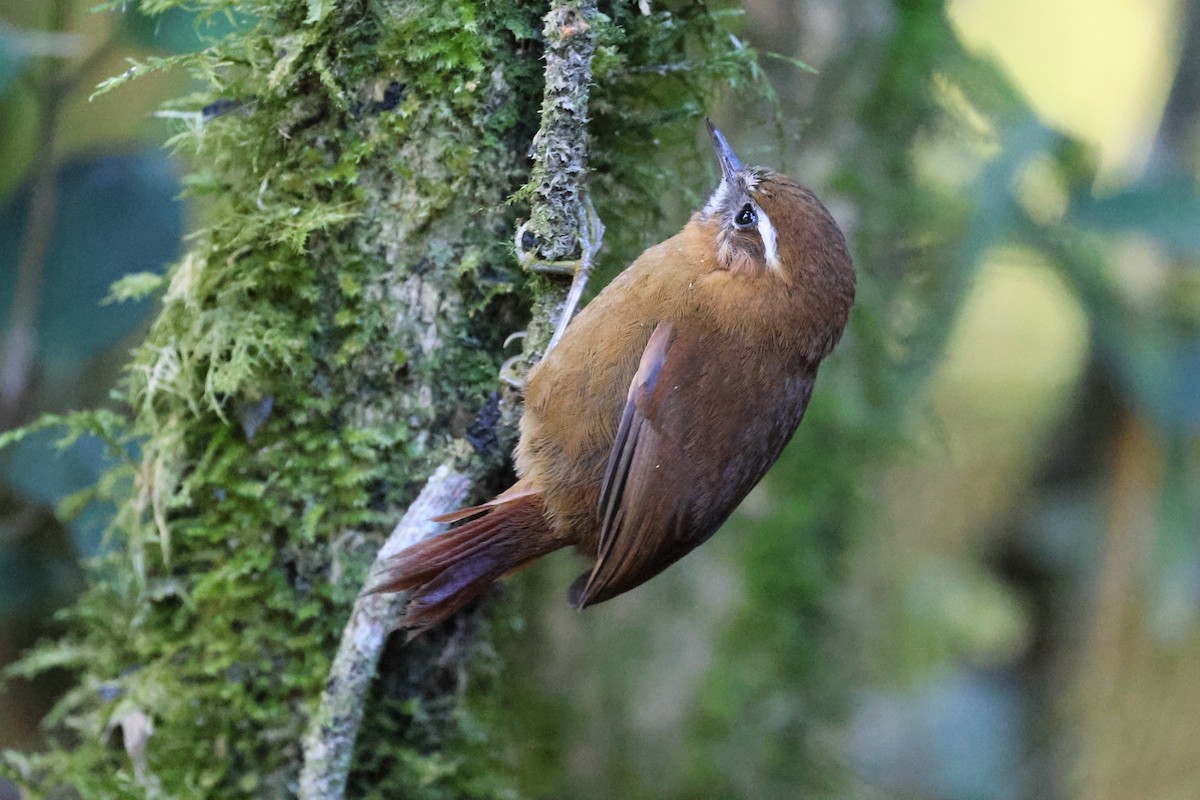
(87, 194)
(1005, 567)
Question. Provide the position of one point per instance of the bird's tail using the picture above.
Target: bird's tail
(444, 573)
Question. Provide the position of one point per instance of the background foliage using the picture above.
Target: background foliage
(973, 574)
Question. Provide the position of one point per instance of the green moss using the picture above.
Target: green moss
(274, 422)
(334, 323)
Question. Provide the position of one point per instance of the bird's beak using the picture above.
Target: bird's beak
(729, 162)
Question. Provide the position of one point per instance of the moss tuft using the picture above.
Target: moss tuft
(335, 324)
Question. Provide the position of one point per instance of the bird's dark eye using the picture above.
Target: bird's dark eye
(746, 217)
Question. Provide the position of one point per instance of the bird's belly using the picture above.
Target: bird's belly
(573, 407)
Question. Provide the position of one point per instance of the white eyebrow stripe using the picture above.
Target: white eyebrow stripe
(718, 198)
(766, 232)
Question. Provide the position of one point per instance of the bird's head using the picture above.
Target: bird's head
(763, 222)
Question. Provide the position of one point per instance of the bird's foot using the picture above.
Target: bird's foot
(591, 234)
(526, 246)
(508, 370)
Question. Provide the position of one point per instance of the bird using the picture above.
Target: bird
(666, 400)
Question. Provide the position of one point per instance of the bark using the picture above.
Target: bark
(330, 341)
(560, 168)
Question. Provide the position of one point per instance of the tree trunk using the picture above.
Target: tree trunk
(332, 336)
(332, 331)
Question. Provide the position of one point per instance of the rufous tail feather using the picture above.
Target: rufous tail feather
(444, 573)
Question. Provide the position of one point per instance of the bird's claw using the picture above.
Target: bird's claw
(591, 234)
(529, 261)
(509, 376)
(508, 370)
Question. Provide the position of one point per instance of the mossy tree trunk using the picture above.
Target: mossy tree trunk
(331, 337)
(332, 330)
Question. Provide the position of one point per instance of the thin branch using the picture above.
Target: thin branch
(561, 225)
(329, 743)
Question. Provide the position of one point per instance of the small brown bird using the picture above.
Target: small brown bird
(665, 402)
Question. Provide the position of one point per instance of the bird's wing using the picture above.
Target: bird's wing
(624, 549)
(689, 400)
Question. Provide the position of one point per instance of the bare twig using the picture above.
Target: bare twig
(562, 225)
(329, 743)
